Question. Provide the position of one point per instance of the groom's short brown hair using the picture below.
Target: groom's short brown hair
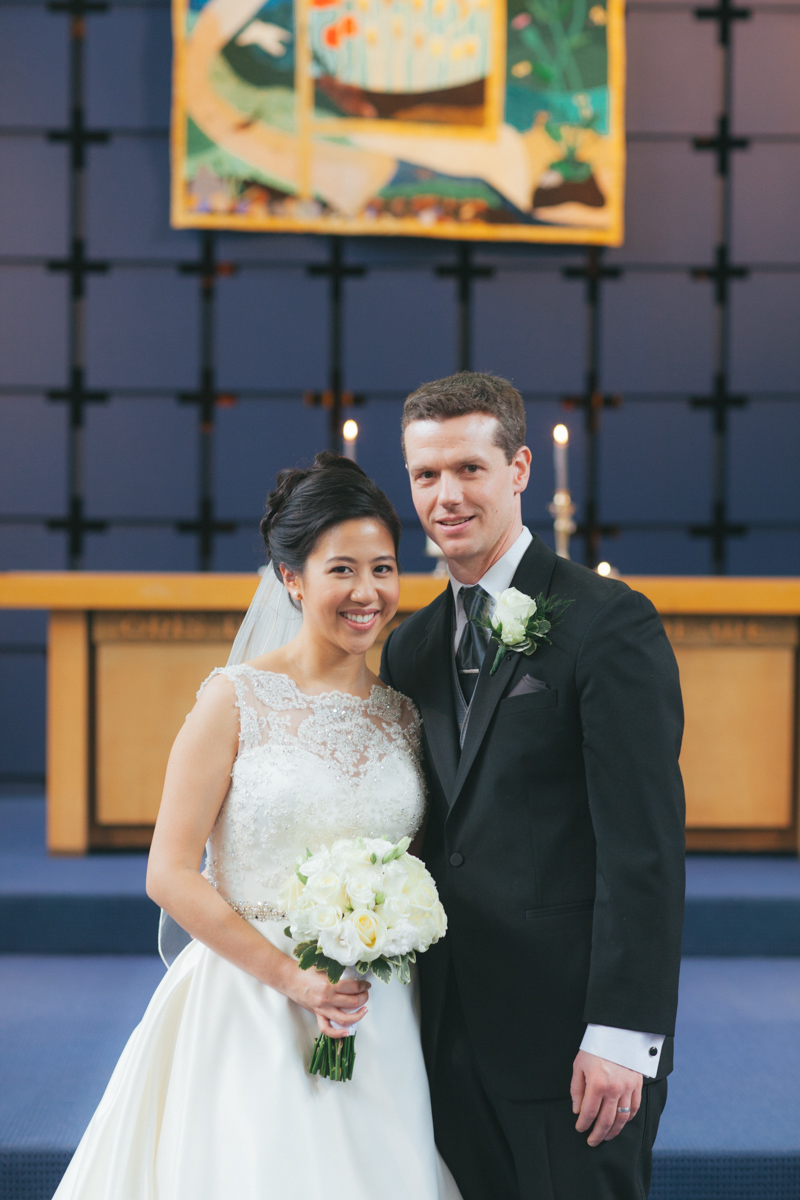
(471, 392)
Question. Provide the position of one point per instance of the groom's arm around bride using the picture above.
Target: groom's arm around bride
(555, 832)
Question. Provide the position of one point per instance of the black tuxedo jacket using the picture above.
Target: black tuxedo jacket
(556, 835)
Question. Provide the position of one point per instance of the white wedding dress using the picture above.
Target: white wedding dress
(211, 1098)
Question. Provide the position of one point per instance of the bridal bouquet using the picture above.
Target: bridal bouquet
(365, 904)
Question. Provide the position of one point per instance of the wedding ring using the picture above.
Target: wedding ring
(623, 1110)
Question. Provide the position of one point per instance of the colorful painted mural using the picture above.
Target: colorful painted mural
(444, 118)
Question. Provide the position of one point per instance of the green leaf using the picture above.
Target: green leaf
(333, 969)
(309, 957)
(382, 970)
(301, 948)
(373, 858)
(303, 878)
(287, 932)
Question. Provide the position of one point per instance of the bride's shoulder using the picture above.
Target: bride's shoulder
(397, 705)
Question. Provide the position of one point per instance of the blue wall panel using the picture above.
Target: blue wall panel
(529, 326)
(672, 86)
(767, 94)
(39, 174)
(129, 54)
(33, 67)
(766, 336)
(765, 462)
(658, 334)
(33, 329)
(272, 330)
(143, 329)
(141, 459)
(128, 198)
(655, 463)
(33, 478)
(671, 205)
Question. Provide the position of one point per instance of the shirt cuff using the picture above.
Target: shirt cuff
(625, 1047)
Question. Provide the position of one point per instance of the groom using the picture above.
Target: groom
(554, 833)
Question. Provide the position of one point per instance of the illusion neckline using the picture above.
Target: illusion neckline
(376, 687)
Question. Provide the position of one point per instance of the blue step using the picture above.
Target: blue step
(736, 906)
(731, 1129)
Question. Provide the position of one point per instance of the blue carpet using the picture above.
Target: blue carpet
(731, 1130)
(48, 905)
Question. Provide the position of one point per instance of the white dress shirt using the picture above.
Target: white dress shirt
(626, 1047)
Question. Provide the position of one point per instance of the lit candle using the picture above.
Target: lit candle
(560, 443)
(350, 435)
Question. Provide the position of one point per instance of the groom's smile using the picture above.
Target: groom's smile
(465, 490)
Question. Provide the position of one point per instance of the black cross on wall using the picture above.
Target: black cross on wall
(465, 272)
(592, 401)
(77, 266)
(205, 526)
(723, 143)
(335, 270)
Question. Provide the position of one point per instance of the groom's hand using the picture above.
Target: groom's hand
(599, 1089)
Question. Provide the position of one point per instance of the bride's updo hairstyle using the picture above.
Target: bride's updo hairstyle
(307, 501)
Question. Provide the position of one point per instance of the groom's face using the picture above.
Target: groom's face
(465, 491)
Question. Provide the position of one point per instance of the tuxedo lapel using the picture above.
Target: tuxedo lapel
(532, 577)
(435, 698)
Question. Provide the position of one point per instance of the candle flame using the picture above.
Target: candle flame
(350, 431)
(561, 435)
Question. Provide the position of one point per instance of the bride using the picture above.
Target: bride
(211, 1098)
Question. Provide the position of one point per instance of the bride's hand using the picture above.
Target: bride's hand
(344, 1002)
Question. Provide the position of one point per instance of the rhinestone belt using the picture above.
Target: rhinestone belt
(257, 910)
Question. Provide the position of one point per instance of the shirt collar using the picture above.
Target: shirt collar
(500, 574)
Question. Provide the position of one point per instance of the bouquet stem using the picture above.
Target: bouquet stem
(333, 1058)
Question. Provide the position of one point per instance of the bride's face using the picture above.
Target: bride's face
(350, 585)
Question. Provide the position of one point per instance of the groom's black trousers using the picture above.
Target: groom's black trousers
(501, 1149)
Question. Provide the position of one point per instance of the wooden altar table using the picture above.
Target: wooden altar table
(127, 652)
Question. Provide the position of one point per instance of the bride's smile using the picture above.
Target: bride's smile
(349, 587)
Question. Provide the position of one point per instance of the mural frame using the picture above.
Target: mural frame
(575, 233)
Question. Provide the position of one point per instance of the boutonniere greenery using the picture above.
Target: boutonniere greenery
(519, 623)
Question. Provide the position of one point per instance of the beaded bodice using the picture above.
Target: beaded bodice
(309, 770)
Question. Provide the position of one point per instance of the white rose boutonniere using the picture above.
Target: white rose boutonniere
(519, 622)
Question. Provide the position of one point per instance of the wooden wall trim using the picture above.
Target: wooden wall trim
(68, 733)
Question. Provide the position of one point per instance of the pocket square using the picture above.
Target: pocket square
(527, 686)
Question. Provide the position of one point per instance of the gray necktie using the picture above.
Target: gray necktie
(474, 639)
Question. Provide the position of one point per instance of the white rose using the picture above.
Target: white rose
(326, 886)
(425, 929)
(327, 916)
(395, 877)
(395, 909)
(360, 885)
(513, 611)
(289, 895)
(342, 944)
(439, 920)
(318, 863)
(513, 632)
(371, 933)
(513, 604)
(424, 896)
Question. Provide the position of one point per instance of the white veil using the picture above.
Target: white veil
(269, 623)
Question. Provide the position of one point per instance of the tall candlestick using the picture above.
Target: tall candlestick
(562, 507)
(560, 443)
(350, 435)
